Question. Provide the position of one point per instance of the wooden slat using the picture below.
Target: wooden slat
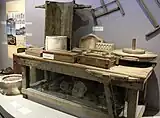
(132, 71)
(64, 105)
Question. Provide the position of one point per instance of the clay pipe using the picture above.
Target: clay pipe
(133, 44)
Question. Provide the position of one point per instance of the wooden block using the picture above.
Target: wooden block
(34, 52)
(64, 56)
(96, 61)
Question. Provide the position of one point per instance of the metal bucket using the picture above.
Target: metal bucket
(56, 43)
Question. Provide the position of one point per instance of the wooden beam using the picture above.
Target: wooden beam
(25, 76)
(64, 105)
(133, 96)
(109, 102)
(79, 71)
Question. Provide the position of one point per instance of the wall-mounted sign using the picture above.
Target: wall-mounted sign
(16, 28)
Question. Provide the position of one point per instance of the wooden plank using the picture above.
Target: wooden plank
(64, 56)
(34, 51)
(79, 71)
(109, 100)
(58, 19)
(133, 96)
(132, 71)
(130, 85)
(78, 100)
(96, 61)
(64, 105)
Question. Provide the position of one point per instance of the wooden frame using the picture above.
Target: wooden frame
(133, 86)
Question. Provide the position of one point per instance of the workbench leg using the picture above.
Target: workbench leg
(133, 96)
(109, 102)
(33, 75)
(25, 77)
(46, 75)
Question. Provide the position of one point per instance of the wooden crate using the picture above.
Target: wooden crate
(96, 61)
(65, 56)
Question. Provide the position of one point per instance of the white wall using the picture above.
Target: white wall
(14, 6)
(3, 42)
(117, 29)
(36, 17)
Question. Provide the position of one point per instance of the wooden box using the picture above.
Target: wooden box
(34, 52)
(65, 56)
(96, 61)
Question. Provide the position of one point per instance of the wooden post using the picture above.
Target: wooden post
(109, 101)
(58, 19)
(134, 44)
(133, 96)
(33, 77)
(25, 78)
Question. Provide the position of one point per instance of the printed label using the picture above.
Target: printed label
(48, 56)
(98, 28)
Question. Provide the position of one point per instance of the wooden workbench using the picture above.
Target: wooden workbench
(131, 78)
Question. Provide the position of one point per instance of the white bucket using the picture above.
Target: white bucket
(56, 43)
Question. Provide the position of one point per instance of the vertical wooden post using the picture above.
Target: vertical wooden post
(33, 77)
(133, 96)
(133, 44)
(109, 101)
(58, 19)
(25, 77)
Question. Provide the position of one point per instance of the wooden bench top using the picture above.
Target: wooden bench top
(120, 73)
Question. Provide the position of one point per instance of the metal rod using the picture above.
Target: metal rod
(148, 13)
(41, 6)
(153, 34)
(110, 11)
(120, 7)
(96, 9)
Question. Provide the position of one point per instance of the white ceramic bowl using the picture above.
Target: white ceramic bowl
(11, 84)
